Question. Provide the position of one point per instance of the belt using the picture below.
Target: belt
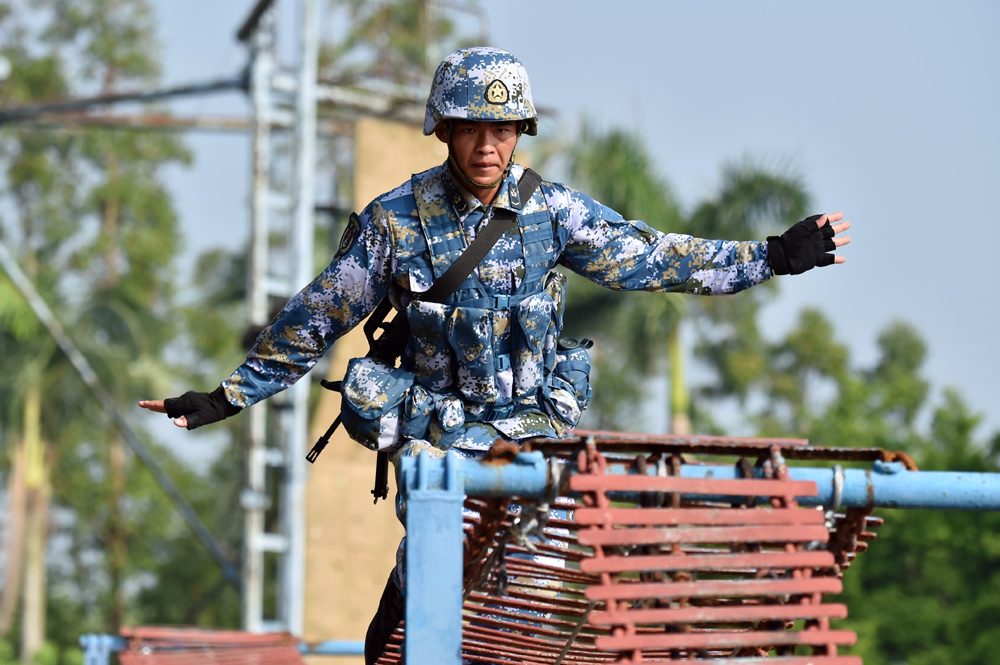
(492, 412)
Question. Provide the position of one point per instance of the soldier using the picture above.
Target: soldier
(486, 363)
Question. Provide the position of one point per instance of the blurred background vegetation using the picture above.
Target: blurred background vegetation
(91, 544)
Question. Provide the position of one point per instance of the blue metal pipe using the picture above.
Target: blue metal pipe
(526, 476)
(97, 649)
(885, 485)
(434, 560)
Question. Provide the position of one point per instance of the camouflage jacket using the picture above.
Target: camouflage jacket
(487, 345)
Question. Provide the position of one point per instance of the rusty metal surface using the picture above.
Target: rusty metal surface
(718, 614)
(180, 646)
(797, 449)
(748, 487)
(661, 579)
(697, 516)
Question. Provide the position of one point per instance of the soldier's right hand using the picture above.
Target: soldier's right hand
(194, 409)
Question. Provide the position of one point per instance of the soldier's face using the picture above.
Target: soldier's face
(481, 149)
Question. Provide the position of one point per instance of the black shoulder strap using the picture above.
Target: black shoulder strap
(463, 266)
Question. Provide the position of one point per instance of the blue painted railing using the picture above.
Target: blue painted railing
(885, 485)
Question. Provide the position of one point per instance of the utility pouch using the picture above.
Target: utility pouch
(567, 391)
(374, 405)
(470, 335)
(532, 342)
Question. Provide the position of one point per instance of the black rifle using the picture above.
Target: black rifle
(388, 346)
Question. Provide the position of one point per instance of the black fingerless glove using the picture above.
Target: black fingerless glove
(201, 408)
(801, 248)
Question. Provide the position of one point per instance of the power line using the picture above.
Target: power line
(15, 114)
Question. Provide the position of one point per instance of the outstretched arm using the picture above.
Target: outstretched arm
(336, 301)
(629, 255)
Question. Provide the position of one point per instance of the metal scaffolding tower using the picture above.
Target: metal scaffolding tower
(281, 250)
(284, 136)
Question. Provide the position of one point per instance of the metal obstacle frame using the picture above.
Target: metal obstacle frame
(435, 491)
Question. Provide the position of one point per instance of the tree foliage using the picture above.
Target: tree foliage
(89, 219)
(394, 41)
(923, 592)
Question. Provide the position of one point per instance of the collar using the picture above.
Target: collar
(465, 203)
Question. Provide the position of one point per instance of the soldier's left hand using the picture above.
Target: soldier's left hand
(808, 244)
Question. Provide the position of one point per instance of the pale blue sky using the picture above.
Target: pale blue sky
(888, 110)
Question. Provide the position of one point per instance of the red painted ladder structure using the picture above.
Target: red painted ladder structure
(733, 571)
(152, 645)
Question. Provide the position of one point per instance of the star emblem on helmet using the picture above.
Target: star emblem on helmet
(496, 92)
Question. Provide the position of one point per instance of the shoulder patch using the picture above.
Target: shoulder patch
(351, 235)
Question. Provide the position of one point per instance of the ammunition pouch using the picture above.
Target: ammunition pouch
(567, 391)
(382, 405)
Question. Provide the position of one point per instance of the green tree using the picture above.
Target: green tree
(96, 232)
(392, 41)
(131, 245)
(924, 591)
(38, 197)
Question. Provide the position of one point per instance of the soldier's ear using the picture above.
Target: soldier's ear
(443, 131)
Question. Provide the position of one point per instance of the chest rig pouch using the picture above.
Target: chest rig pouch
(381, 405)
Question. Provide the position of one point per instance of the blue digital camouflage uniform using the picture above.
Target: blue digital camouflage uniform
(484, 360)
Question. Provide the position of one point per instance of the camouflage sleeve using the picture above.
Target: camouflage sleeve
(629, 255)
(335, 301)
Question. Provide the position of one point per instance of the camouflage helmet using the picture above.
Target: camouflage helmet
(484, 84)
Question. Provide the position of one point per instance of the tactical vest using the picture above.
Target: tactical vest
(481, 356)
(478, 339)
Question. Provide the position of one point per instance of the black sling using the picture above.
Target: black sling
(389, 345)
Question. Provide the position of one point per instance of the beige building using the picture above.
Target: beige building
(350, 543)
